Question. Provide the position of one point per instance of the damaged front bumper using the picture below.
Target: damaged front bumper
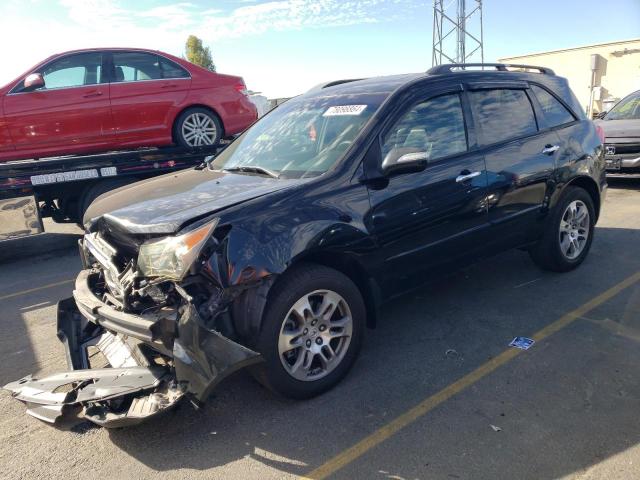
(152, 361)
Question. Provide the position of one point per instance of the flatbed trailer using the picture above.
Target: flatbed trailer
(63, 187)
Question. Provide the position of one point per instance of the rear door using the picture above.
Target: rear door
(434, 217)
(520, 158)
(146, 92)
(71, 110)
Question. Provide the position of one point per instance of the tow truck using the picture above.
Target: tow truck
(63, 187)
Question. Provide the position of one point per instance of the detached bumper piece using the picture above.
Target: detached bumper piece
(129, 391)
(152, 362)
(110, 397)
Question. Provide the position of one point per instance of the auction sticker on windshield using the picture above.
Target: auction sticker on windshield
(344, 110)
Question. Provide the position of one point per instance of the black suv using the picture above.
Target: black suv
(278, 253)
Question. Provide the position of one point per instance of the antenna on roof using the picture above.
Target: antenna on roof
(467, 43)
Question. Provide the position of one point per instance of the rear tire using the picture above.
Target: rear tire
(298, 348)
(197, 127)
(568, 232)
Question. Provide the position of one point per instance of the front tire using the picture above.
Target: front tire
(311, 333)
(568, 233)
(197, 127)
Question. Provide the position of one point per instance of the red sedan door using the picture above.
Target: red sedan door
(70, 114)
(147, 90)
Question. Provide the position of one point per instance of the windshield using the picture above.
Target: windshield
(303, 137)
(626, 109)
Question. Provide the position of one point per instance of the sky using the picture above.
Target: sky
(283, 47)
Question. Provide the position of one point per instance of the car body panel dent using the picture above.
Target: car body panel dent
(204, 357)
(582, 156)
(164, 204)
(323, 216)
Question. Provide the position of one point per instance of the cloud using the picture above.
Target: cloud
(291, 15)
(251, 18)
(102, 13)
(55, 27)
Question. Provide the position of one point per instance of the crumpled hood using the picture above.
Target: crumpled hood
(620, 128)
(162, 205)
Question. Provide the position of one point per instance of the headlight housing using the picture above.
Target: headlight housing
(171, 257)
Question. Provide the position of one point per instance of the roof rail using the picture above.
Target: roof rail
(333, 83)
(501, 67)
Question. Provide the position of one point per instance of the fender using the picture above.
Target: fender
(251, 267)
(581, 172)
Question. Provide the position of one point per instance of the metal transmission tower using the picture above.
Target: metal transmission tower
(457, 35)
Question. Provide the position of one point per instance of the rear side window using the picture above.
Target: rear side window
(502, 114)
(435, 127)
(136, 66)
(554, 112)
(172, 70)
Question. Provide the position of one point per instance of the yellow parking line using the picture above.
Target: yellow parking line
(31, 290)
(386, 431)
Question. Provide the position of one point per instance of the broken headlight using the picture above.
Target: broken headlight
(171, 257)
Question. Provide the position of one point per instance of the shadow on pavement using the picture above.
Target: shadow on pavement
(559, 398)
(42, 246)
(624, 183)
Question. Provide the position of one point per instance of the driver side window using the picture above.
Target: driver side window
(435, 127)
(74, 71)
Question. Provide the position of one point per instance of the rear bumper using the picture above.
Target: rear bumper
(155, 361)
(616, 163)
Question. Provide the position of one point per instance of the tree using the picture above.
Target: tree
(198, 54)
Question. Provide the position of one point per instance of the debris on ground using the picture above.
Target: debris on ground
(523, 343)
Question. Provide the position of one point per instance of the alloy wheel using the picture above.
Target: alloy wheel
(315, 335)
(574, 229)
(199, 129)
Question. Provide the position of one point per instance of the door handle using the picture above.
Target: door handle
(92, 94)
(550, 149)
(463, 177)
(171, 85)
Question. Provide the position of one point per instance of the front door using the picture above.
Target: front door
(71, 111)
(425, 220)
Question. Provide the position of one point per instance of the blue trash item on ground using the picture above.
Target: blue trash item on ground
(523, 343)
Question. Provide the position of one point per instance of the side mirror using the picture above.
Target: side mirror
(404, 160)
(33, 81)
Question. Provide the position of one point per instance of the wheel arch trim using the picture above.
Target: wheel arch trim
(352, 269)
(590, 186)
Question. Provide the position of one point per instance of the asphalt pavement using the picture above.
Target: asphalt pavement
(436, 393)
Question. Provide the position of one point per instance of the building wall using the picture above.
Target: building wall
(618, 73)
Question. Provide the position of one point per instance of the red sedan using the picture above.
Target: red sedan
(88, 101)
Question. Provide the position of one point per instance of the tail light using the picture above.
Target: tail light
(600, 132)
(240, 87)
